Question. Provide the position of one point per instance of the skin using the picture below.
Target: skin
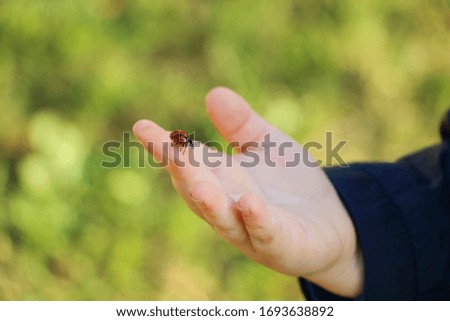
(288, 219)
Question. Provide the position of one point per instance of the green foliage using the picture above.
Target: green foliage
(76, 74)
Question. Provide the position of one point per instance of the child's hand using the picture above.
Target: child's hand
(287, 218)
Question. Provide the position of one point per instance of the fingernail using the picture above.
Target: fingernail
(193, 198)
(198, 202)
(244, 211)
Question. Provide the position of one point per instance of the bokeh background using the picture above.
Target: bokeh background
(77, 74)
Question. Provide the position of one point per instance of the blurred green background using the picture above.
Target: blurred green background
(76, 74)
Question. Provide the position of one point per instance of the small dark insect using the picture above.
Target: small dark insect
(179, 137)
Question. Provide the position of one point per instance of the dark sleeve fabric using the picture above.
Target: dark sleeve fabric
(401, 213)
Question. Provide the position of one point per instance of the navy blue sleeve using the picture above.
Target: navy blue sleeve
(401, 213)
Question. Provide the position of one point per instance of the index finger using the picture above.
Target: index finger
(185, 164)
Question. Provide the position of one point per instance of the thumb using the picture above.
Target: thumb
(235, 120)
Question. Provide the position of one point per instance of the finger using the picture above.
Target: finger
(235, 120)
(155, 139)
(216, 209)
(182, 162)
(263, 228)
(184, 168)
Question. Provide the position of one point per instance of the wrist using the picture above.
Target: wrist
(345, 276)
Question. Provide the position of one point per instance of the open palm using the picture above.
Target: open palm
(288, 218)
